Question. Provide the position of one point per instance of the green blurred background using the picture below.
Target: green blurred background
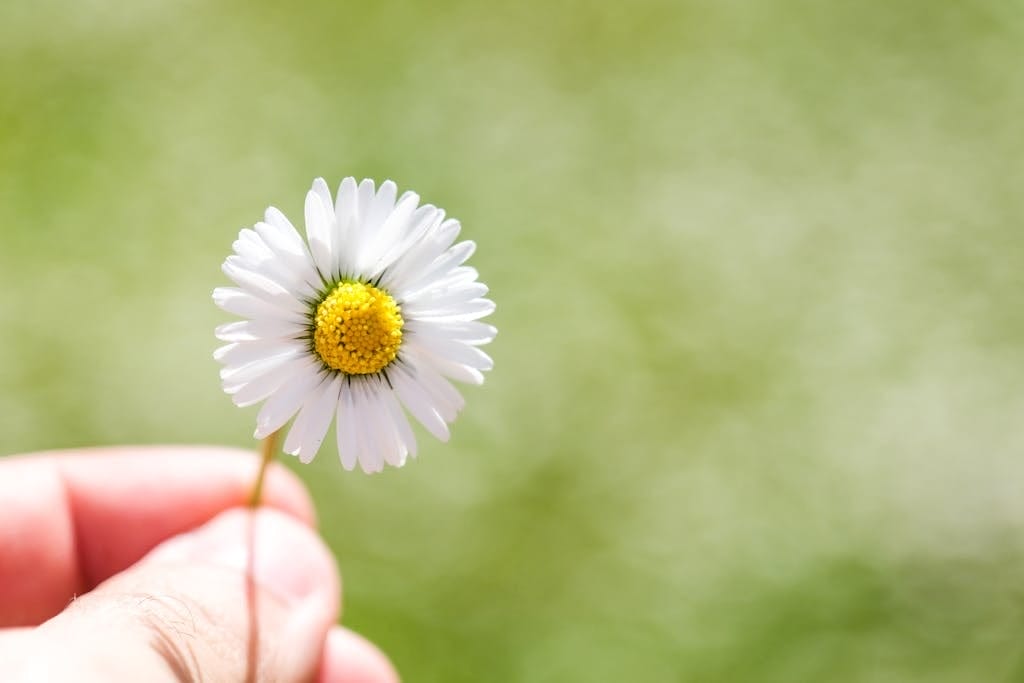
(757, 411)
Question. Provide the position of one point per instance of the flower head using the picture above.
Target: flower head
(369, 317)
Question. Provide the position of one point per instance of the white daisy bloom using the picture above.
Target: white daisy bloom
(373, 312)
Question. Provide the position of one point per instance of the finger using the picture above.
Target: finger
(350, 658)
(249, 596)
(71, 519)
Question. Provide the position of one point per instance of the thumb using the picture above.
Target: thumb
(250, 596)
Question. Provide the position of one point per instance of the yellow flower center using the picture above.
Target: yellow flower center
(358, 329)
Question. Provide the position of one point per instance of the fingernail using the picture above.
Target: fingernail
(284, 556)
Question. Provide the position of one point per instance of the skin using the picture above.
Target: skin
(144, 564)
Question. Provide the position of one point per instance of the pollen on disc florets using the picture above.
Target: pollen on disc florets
(357, 329)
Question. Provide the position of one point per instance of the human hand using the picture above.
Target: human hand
(133, 564)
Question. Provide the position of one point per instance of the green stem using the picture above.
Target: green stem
(267, 451)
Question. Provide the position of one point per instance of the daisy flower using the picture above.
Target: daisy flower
(370, 316)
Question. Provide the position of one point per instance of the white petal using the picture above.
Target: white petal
(241, 303)
(454, 278)
(235, 377)
(251, 246)
(418, 402)
(324, 192)
(360, 229)
(345, 215)
(265, 265)
(252, 330)
(261, 286)
(458, 372)
(347, 426)
(391, 232)
(313, 421)
(404, 431)
(383, 204)
(286, 271)
(468, 332)
(364, 198)
(320, 421)
(292, 262)
(281, 236)
(410, 266)
(366, 403)
(441, 265)
(284, 226)
(242, 353)
(393, 447)
(453, 351)
(265, 384)
(445, 299)
(470, 310)
(394, 450)
(371, 455)
(345, 205)
(240, 330)
(284, 241)
(445, 398)
(284, 403)
(319, 226)
(423, 222)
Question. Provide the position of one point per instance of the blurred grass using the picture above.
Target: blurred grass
(757, 409)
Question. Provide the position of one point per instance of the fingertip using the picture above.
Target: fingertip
(184, 471)
(115, 505)
(350, 658)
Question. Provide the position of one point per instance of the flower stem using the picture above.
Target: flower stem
(267, 451)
